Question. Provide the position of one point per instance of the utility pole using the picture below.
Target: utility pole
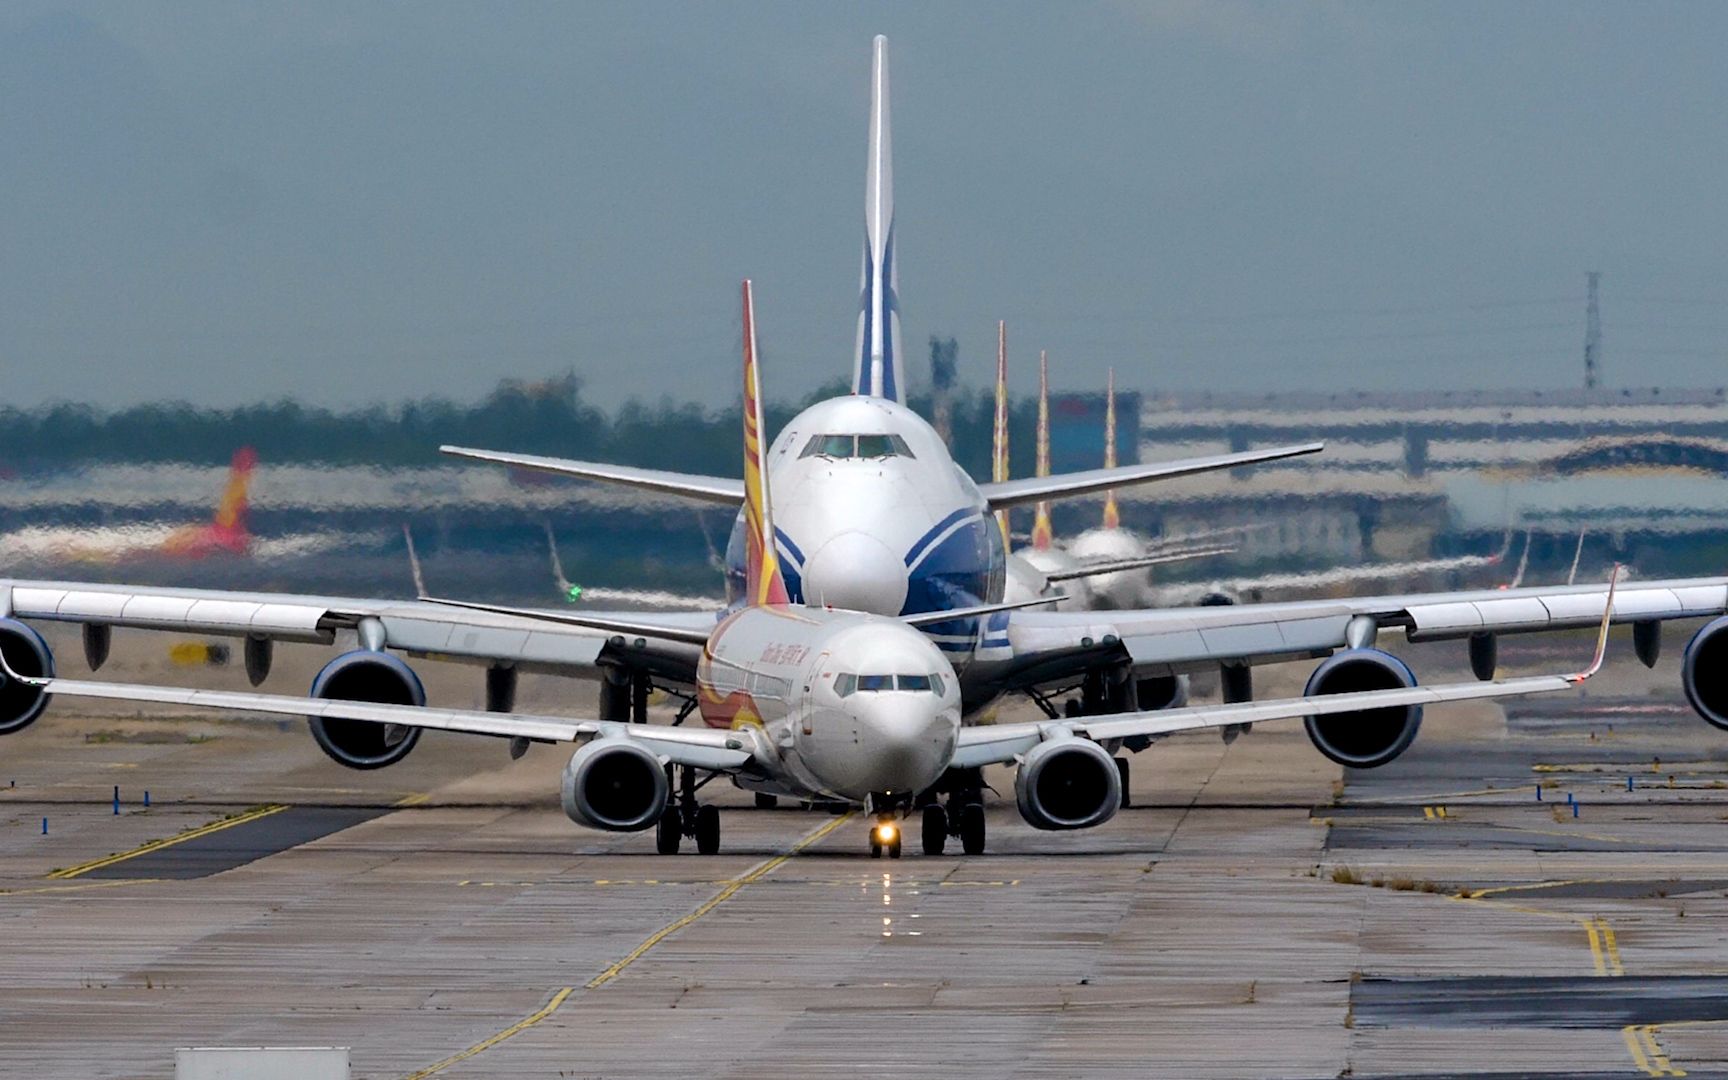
(1592, 334)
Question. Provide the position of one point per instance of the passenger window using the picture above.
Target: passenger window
(875, 682)
(845, 685)
(914, 682)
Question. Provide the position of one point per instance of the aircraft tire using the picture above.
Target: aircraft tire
(935, 829)
(1122, 772)
(708, 830)
(894, 847)
(972, 828)
(668, 832)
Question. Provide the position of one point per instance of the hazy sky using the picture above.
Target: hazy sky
(222, 202)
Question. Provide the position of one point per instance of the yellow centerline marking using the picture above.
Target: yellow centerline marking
(411, 800)
(158, 845)
(755, 873)
(486, 1044)
(1647, 1052)
(78, 888)
(730, 890)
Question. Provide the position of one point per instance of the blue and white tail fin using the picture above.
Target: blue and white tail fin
(878, 371)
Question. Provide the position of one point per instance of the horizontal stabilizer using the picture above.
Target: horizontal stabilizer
(1067, 485)
(717, 489)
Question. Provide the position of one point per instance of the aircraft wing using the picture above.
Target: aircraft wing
(716, 489)
(704, 748)
(1006, 493)
(559, 641)
(997, 743)
(1049, 646)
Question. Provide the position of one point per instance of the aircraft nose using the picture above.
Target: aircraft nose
(856, 571)
(905, 745)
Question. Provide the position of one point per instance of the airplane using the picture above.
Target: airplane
(224, 535)
(819, 702)
(865, 513)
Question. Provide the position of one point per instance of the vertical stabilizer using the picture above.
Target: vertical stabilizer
(1112, 516)
(231, 511)
(762, 563)
(878, 357)
(1043, 536)
(999, 434)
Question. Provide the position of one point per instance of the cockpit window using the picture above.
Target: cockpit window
(856, 446)
(847, 685)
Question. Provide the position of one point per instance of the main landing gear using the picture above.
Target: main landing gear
(684, 816)
(962, 818)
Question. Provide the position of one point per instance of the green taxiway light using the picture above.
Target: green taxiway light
(573, 593)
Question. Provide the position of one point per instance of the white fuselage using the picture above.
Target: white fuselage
(852, 705)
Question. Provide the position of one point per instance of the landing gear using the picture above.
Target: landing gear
(684, 816)
(707, 830)
(972, 828)
(1122, 773)
(669, 832)
(935, 829)
(765, 801)
(885, 836)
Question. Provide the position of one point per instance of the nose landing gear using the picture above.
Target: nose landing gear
(885, 836)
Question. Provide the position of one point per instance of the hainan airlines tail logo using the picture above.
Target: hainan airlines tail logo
(762, 565)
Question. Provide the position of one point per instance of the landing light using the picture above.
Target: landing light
(885, 833)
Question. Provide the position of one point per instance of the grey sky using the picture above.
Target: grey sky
(220, 203)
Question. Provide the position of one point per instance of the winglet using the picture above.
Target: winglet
(568, 589)
(762, 562)
(1602, 634)
(999, 434)
(878, 358)
(1043, 535)
(1112, 516)
(414, 563)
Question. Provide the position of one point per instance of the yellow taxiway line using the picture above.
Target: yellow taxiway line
(756, 873)
(158, 845)
(486, 1044)
(727, 891)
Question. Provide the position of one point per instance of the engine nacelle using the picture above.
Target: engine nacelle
(365, 675)
(614, 784)
(1161, 692)
(1068, 783)
(1366, 738)
(27, 654)
(1703, 672)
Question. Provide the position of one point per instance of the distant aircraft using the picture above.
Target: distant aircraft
(225, 535)
(876, 532)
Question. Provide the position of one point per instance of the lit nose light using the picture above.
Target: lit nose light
(885, 833)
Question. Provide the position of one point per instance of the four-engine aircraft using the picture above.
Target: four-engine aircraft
(866, 624)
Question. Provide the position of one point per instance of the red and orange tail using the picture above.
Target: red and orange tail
(762, 562)
(1043, 535)
(1112, 516)
(231, 511)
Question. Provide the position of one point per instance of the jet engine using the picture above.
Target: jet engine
(1366, 738)
(27, 654)
(366, 675)
(1703, 672)
(1068, 783)
(1161, 692)
(614, 784)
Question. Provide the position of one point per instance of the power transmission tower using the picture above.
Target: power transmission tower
(1592, 335)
